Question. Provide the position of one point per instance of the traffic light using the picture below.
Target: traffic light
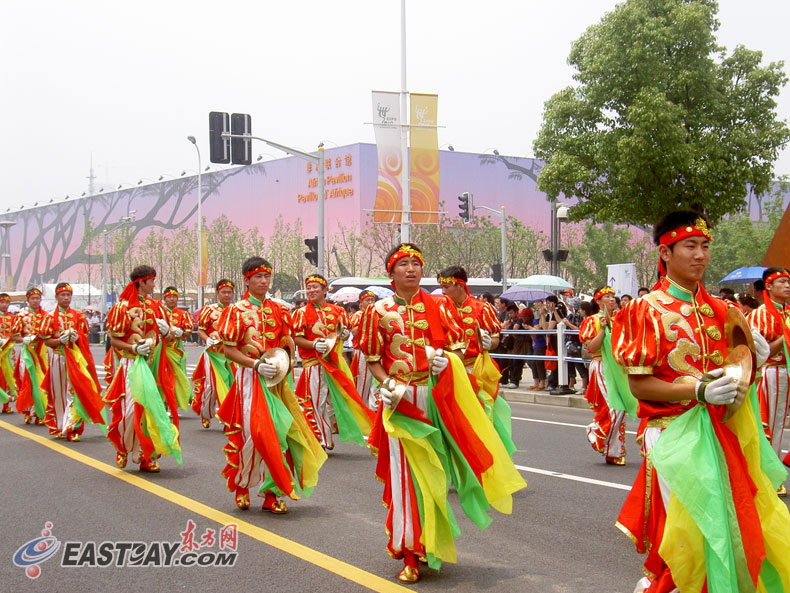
(241, 148)
(562, 254)
(219, 147)
(547, 255)
(496, 272)
(466, 206)
(312, 255)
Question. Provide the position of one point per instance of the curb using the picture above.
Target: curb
(544, 397)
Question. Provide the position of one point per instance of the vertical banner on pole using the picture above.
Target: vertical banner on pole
(202, 281)
(424, 159)
(386, 124)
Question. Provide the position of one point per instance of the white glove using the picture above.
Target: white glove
(74, 335)
(176, 331)
(4, 341)
(346, 334)
(762, 350)
(63, 338)
(211, 342)
(28, 339)
(386, 397)
(266, 369)
(439, 363)
(321, 346)
(163, 327)
(485, 339)
(716, 388)
(143, 348)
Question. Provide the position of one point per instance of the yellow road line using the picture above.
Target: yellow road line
(328, 563)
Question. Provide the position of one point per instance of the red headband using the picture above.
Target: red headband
(170, 291)
(700, 229)
(258, 270)
(33, 291)
(5, 298)
(227, 284)
(314, 278)
(775, 275)
(365, 294)
(603, 291)
(404, 251)
(65, 288)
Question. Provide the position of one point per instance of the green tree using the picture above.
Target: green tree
(661, 117)
(739, 241)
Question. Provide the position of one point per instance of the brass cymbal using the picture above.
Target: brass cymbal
(280, 358)
(739, 365)
(737, 332)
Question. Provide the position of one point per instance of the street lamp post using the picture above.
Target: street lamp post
(501, 213)
(200, 226)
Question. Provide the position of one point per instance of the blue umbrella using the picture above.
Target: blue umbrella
(744, 275)
(525, 294)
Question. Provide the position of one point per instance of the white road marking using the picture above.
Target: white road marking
(559, 423)
(544, 472)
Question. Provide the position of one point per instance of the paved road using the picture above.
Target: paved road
(560, 537)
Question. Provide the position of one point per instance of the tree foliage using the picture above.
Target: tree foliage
(661, 117)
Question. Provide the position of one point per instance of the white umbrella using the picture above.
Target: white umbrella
(381, 292)
(347, 294)
(544, 282)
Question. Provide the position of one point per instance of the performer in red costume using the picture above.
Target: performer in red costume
(33, 364)
(180, 324)
(772, 320)
(606, 432)
(142, 391)
(430, 428)
(10, 334)
(214, 373)
(704, 506)
(359, 368)
(71, 381)
(269, 440)
(326, 388)
(481, 328)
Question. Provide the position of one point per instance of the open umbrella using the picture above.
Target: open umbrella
(744, 275)
(544, 282)
(381, 292)
(524, 294)
(347, 294)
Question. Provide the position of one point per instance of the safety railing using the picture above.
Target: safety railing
(561, 332)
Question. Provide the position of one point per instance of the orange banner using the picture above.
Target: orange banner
(424, 159)
(386, 124)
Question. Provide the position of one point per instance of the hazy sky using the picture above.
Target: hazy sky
(128, 82)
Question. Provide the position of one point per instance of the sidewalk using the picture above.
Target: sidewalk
(523, 395)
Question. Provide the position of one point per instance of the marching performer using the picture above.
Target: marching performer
(214, 373)
(32, 364)
(71, 380)
(326, 387)
(481, 333)
(772, 320)
(704, 505)
(430, 428)
(606, 432)
(180, 323)
(359, 368)
(269, 440)
(142, 390)
(10, 334)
